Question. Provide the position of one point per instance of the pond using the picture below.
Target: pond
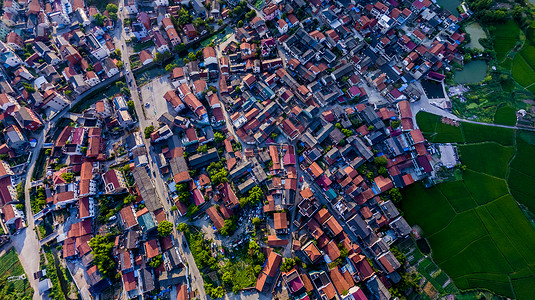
(473, 72)
(451, 5)
(476, 32)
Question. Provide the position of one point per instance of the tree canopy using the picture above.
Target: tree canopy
(102, 246)
(164, 228)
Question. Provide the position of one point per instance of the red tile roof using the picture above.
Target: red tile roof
(151, 248)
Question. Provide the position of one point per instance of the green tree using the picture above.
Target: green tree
(228, 228)
(182, 227)
(240, 24)
(112, 7)
(164, 228)
(202, 148)
(102, 256)
(179, 48)
(148, 130)
(227, 277)
(381, 161)
(219, 137)
(346, 132)
(257, 269)
(382, 171)
(256, 221)
(191, 56)
(184, 17)
(217, 292)
(395, 194)
(120, 64)
(68, 177)
(395, 124)
(99, 19)
(131, 106)
(250, 15)
(287, 264)
(156, 261)
(129, 199)
(20, 190)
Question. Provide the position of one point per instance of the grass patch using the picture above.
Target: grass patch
(524, 287)
(106, 91)
(505, 115)
(438, 132)
(524, 160)
(484, 188)
(141, 46)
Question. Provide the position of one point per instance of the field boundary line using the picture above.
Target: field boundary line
(469, 244)
(508, 239)
(453, 207)
(508, 172)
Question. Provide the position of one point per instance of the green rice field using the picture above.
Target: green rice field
(505, 115)
(478, 234)
(506, 36)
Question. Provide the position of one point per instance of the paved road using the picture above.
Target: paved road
(424, 105)
(161, 189)
(27, 247)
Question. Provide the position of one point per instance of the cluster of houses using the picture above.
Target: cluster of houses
(275, 87)
(313, 109)
(54, 51)
(50, 53)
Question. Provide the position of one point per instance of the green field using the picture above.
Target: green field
(13, 289)
(522, 71)
(478, 234)
(437, 132)
(506, 36)
(505, 115)
(490, 158)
